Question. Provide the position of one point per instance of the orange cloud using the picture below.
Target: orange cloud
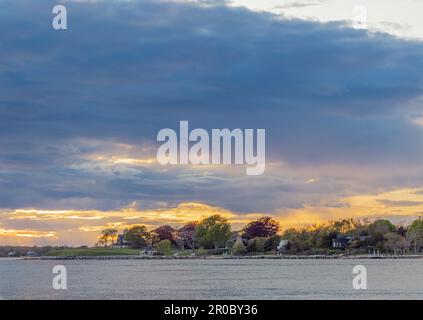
(83, 225)
(76, 227)
(401, 206)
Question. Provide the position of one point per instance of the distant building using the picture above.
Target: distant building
(363, 238)
(341, 242)
(31, 253)
(150, 252)
(234, 236)
(283, 245)
(120, 241)
(11, 254)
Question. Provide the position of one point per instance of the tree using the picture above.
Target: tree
(165, 232)
(381, 227)
(138, 236)
(261, 243)
(272, 243)
(402, 231)
(300, 239)
(377, 230)
(263, 227)
(251, 245)
(345, 226)
(187, 234)
(396, 243)
(164, 247)
(213, 231)
(415, 234)
(257, 244)
(107, 235)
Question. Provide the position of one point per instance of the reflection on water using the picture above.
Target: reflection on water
(212, 279)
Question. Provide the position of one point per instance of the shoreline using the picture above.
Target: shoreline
(258, 257)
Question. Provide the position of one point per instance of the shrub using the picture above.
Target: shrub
(261, 243)
(201, 252)
(272, 243)
(251, 246)
(164, 247)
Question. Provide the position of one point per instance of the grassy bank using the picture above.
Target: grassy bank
(92, 252)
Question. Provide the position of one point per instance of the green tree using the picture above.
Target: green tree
(138, 236)
(272, 243)
(415, 234)
(251, 246)
(213, 231)
(299, 239)
(377, 230)
(164, 247)
(260, 243)
(381, 227)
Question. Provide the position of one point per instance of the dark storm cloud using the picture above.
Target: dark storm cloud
(124, 70)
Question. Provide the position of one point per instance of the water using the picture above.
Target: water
(212, 279)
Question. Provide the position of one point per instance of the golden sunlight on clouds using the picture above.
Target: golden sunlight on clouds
(73, 227)
(25, 233)
(127, 161)
(179, 214)
(85, 225)
(312, 180)
(402, 206)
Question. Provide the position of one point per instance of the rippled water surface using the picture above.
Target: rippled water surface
(212, 279)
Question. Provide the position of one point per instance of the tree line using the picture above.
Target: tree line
(263, 235)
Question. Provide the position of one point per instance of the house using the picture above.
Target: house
(341, 242)
(150, 252)
(283, 245)
(31, 253)
(232, 240)
(363, 238)
(120, 241)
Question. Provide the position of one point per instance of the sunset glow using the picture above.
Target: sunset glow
(401, 206)
(81, 111)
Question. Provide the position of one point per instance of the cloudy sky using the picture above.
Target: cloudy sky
(80, 111)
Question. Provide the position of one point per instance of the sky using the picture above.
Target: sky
(80, 110)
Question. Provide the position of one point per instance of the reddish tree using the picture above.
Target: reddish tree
(165, 232)
(186, 233)
(263, 227)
